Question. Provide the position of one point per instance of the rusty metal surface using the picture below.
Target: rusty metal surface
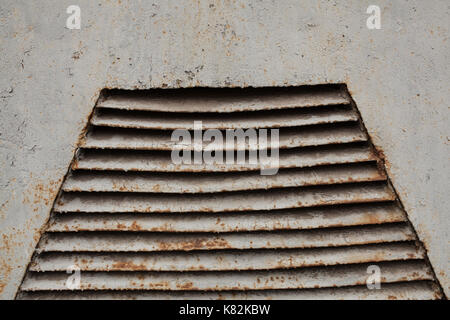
(52, 76)
(132, 220)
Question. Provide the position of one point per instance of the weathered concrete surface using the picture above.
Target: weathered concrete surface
(51, 77)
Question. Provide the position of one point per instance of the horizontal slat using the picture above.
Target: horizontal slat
(117, 160)
(228, 101)
(255, 119)
(415, 290)
(219, 202)
(143, 242)
(132, 139)
(222, 261)
(317, 277)
(290, 219)
(218, 182)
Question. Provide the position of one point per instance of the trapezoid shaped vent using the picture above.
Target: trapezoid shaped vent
(137, 225)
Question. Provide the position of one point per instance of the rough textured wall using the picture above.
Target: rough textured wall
(51, 77)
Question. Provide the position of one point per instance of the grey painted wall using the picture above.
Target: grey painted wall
(51, 77)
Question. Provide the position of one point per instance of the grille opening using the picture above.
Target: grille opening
(139, 226)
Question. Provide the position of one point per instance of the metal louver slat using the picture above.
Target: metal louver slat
(290, 219)
(314, 277)
(221, 202)
(118, 160)
(261, 119)
(131, 139)
(234, 260)
(144, 242)
(221, 101)
(218, 182)
(139, 226)
(413, 290)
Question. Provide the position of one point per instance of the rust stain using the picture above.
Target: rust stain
(41, 194)
(382, 162)
(121, 226)
(135, 226)
(185, 286)
(75, 164)
(5, 271)
(10, 242)
(195, 244)
(164, 285)
(128, 265)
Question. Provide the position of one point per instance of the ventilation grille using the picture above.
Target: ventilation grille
(140, 226)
